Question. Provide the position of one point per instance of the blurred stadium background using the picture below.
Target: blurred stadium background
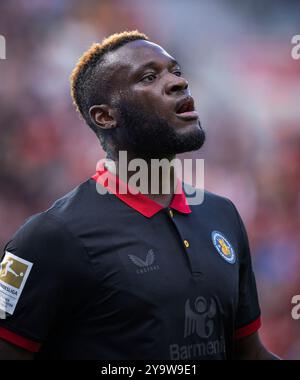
(237, 57)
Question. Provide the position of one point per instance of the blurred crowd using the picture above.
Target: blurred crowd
(247, 88)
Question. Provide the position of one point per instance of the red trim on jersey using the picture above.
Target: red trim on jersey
(19, 341)
(137, 200)
(249, 329)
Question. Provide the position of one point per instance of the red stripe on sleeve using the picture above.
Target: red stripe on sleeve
(247, 330)
(19, 341)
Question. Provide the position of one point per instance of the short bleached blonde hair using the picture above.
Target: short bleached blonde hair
(85, 86)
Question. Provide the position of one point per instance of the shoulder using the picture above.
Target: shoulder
(202, 198)
(48, 232)
(213, 208)
(80, 196)
(42, 237)
(82, 207)
(39, 227)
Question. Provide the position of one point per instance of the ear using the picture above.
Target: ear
(103, 116)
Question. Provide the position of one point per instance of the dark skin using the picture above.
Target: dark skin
(145, 71)
(159, 86)
(251, 348)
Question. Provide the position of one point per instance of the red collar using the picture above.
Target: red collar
(139, 201)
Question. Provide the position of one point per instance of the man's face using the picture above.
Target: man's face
(155, 111)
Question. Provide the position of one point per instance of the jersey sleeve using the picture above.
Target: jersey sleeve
(39, 270)
(248, 319)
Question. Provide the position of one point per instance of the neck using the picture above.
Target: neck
(156, 182)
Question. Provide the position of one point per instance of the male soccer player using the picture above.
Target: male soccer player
(116, 275)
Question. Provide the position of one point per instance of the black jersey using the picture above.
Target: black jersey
(116, 276)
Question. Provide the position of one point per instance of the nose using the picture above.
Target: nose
(176, 84)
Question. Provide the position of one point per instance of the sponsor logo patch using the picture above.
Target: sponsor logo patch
(202, 338)
(200, 321)
(14, 272)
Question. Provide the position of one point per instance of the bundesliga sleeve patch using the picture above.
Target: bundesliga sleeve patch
(223, 247)
(14, 272)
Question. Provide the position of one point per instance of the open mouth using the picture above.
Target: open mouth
(185, 109)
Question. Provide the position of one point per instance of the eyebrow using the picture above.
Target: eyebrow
(155, 64)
